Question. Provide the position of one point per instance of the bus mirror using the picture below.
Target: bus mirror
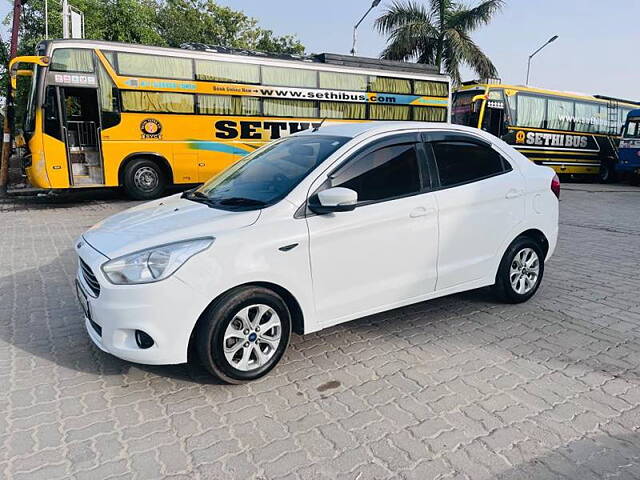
(32, 59)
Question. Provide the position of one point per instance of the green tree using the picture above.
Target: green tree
(438, 34)
(154, 22)
(203, 21)
(148, 22)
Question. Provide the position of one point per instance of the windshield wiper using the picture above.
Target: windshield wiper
(193, 193)
(197, 196)
(239, 201)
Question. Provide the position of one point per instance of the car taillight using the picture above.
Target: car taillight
(555, 186)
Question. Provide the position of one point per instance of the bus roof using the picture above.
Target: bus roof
(634, 113)
(583, 96)
(329, 59)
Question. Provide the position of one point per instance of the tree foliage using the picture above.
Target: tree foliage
(165, 23)
(438, 34)
(204, 21)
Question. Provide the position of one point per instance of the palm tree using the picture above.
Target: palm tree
(438, 34)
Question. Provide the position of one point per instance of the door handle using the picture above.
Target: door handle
(513, 193)
(421, 212)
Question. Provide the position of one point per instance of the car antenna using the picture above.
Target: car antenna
(315, 129)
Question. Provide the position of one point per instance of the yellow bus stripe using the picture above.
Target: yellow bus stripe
(557, 152)
(561, 160)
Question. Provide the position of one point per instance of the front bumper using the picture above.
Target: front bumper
(167, 311)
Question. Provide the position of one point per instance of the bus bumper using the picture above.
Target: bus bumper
(628, 168)
(116, 313)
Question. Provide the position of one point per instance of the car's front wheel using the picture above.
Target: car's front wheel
(243, 335)
(520, 271)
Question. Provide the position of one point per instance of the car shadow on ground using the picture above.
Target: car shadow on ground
(49, 323)
(49, 326)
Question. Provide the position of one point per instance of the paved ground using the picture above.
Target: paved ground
(460, 387)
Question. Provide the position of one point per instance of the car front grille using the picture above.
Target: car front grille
(89, 278)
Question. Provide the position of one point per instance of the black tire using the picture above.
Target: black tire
(503, 287)
(211, 329)
(144, 179)
(607, 172)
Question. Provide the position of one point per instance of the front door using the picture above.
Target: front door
(385, 251)
(81, 132)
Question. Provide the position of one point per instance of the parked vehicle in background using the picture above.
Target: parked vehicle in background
(569, 132)
(310, 231)
(629, 153)
(112, 114)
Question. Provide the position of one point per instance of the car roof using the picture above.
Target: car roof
(356, 129)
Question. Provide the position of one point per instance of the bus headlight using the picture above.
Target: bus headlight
(153, 264)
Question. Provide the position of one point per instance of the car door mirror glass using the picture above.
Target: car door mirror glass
(336, 199)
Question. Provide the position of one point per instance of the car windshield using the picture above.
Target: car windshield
(267, 175)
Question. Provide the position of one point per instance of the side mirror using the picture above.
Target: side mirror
(336, 199)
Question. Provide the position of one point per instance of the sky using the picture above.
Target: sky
(596, 52)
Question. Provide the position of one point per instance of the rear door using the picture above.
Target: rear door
(480, 201)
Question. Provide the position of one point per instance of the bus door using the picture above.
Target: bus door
(494, 119)
(79, 111)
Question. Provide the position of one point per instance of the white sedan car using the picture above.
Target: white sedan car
(310, 231)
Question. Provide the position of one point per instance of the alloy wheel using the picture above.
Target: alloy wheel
(252, 337)
(524, 271)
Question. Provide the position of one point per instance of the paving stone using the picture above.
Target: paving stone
(457, 388)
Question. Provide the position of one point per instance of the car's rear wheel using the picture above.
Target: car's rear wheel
(243, 335)
(520, 271)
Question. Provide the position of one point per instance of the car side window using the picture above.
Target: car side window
(386, 173)
(462, 162)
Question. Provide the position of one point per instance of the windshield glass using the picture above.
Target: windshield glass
(633, 128)
(30, 113)
(464, 112)
(267, 175)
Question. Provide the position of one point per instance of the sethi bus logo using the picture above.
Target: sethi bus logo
(150, 128)
(557, 140)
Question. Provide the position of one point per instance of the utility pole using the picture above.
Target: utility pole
(374, 4)
(8, 113)
(552, 39)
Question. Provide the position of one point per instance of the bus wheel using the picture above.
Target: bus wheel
(607, 172)
(144, 179)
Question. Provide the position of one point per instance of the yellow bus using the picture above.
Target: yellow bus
(112, 114)
(570, 132)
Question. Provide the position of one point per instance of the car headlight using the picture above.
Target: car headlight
(153, 264)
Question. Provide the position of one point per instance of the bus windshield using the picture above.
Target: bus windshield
(267, 175)
(30, 112)
(464, 111)
(632, 130)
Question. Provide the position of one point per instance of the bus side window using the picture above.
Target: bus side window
(51, 114)
(109, 106)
